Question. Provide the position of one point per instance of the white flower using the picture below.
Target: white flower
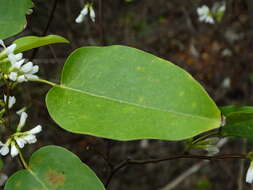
(4, 150)
(226, 83)
(82, 14)
(19, 140)
(249, 175)
(14, 149)
(211, 149)
(30, 139)
(92, 13)
(13, 76)
(27, 137)
(13, 58)
(205, 14)
(12, 101)
(19, 71)
(27, 67)
(21, 79)
(209, 145)
(29, 11)
(35, 130)
(25, 71)
(22, 120)
(18, 64)
(87, 9)
(80, 18)
(10, 49)
(29, 70)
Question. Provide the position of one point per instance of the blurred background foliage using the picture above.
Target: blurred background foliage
(219, 56)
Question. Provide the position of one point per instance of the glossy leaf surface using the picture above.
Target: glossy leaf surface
(12, 16)
(30, 42)
(122, 93)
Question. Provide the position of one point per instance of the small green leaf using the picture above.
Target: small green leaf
(239, 121)
(30, 42)
(12, 16)
(123, 93)
(54, 168)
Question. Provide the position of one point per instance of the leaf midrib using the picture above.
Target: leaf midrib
(38, 179)
(133, 104)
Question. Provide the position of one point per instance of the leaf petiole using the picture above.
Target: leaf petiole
(43, 81)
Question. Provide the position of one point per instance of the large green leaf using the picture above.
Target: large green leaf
(30, 42)
(123, 93)
(239, 121)
(12, 16)
(54, 168)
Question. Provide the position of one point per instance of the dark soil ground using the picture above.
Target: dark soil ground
(169, 29)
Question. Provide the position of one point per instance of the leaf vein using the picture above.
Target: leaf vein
(133, 104)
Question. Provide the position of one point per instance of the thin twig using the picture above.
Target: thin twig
(185, 174)
(101, 24)
(149, 161)
(50, 19)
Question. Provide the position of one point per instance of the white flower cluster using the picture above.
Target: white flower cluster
(205, 14)
(210, 16)
(19, 139)
(88, 8)
(20, 70)
(209, 145)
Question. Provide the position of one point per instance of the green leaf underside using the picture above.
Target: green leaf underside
(122, 93)
(30, 42)
(239, 121)
(12, 16)
(54, 168)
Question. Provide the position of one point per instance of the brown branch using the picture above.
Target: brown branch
(50, 19)
(149, 161)
(100, 23)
